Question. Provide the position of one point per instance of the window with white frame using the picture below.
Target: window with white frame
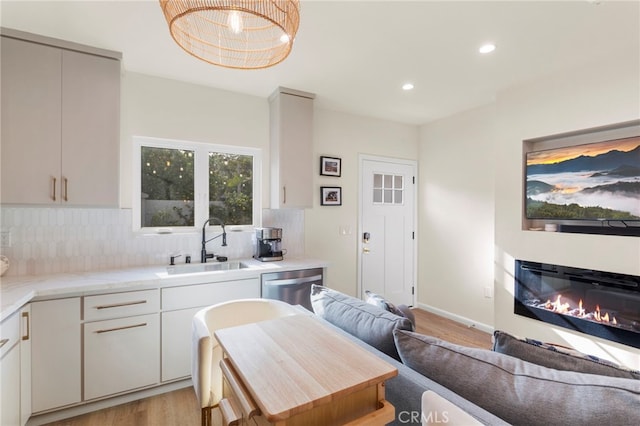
(179, 185)
(388, 189)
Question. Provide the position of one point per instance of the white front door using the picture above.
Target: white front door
(387, 245)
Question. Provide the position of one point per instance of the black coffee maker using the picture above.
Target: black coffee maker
(268, 245)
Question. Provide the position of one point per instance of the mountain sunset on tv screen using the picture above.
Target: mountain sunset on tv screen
(597, 181)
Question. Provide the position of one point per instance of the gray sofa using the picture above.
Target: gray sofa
(373, 325)
(494, 388)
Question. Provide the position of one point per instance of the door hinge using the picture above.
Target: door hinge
(414, 180)
(413, 235)
(413, 290)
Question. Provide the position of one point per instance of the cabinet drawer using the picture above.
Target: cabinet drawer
(209, 294)
(121, 355)
(119, 305)
(9, 333)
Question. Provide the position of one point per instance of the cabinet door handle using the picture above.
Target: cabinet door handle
(54, 188)
(126, 327)
(66, 189)
(284, 195)
(3, 342)
(25, 315)
(120, 305)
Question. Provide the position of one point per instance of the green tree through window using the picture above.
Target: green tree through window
(169, 179)
(167, 187)
(231, 188)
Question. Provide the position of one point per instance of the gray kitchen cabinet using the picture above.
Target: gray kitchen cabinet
(291, 148)
(179, 305)
(60, 122)
(56, 365)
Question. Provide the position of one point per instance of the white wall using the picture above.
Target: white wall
(346, 136)
(158, 107)
(457, 171)
(592, 96)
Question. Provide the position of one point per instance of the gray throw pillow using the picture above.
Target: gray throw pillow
(401, 310)
(369, 323)
(521, 392)
(557, 357)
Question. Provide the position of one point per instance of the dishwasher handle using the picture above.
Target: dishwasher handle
(294, 280)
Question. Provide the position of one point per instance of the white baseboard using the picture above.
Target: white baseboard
(85, 408)
(457, 318)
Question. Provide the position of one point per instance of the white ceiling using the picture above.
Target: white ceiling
(355, 55)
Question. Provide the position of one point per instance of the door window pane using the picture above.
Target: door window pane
(388, 181)
(377, 195)
(388, 196)
(167, 187)
(377, 180)
(398, 182)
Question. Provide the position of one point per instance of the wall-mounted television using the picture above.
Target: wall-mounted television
(590, 182)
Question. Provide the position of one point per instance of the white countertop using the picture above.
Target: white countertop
(17, 291)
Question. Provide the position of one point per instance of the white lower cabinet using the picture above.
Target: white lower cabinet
(10, 386)
(121, 355)
(63, 352)
(55, 354)
(176, 343)
(179, 305)
(10, 371)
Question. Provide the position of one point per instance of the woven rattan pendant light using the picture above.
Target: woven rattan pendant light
(244, 34)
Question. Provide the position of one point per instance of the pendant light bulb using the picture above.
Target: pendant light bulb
(234, 21)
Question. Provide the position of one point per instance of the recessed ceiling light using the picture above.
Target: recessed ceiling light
(407, 86)
(487, 48)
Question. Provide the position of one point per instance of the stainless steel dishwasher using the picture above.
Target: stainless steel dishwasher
(293, 287)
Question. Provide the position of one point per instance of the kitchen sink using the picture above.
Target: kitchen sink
(205, 267)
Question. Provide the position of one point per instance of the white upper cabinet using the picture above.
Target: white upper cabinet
(291, 139)
(60, 123)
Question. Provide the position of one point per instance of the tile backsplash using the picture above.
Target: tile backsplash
(58, 240)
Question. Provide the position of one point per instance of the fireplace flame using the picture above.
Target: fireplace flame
(565, 308)
(557, 306)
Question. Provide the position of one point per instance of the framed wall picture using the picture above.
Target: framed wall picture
(330, 196)
(330, 166)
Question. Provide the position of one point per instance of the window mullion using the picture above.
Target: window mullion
(201, 186)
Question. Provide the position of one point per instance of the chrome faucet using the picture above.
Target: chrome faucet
(203, 253)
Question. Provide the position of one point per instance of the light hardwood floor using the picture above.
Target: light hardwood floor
(451, 331)
(180, 408)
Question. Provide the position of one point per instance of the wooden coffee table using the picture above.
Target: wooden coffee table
(297, 371)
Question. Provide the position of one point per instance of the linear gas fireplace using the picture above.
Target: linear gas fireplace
(602, 304)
